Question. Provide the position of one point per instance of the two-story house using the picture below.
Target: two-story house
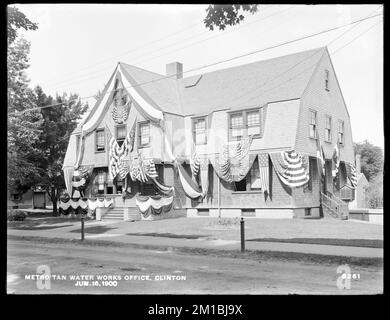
(241, 141)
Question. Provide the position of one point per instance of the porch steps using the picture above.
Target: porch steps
(114, 214)
(334, 207)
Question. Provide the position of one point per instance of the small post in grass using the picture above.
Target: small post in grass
(242, 227)
(82, 228)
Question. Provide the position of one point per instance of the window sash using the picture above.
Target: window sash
(236, 121)
(100, 140)
(121, 132)
(144, 133)
(200, 131)
(255, 181)
(313, 117)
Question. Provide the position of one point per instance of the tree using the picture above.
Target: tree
(223, 15)
(59, 121)
(17, 20)
(371, 159)
(23, 120)
(375, 191)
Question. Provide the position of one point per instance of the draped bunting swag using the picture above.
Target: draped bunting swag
(154, 205)
(83, 204)
(290, 168)
(191, 189)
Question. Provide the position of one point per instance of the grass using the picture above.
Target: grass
(249, 254)
(366, 243)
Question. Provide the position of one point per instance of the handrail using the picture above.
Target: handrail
(336, 206)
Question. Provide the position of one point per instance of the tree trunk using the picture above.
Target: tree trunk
(54, 201)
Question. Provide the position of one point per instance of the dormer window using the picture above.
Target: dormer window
(199, 131)
(244, 124)
(327, 80)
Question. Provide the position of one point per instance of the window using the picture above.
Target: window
(255, 182)
(120, 134)
(327, 80)
(313, 124)
(144, 134)
(119, 186)
(253, 122)
(328, 129)
(237, 125)
(341, 132)
(100, 140)
(240, 185)
(244, 124)
(101, 179)
(199, 126)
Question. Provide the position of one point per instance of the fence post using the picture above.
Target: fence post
(242, 227)
(82, 228)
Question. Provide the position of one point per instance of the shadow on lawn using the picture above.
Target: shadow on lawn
(37, 227)
(94, 230)
(367, 243)
(169, 235)
(39, 223)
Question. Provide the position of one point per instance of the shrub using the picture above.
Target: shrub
(16, 215)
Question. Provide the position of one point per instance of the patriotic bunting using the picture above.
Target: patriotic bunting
(289, 168)
(320, 157)
(351, 174)
(155, 205)
(335, 160)
(190, 188)
(118, 154)
(263, 163)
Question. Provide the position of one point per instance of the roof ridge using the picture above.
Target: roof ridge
(254, 62)
(158, 74)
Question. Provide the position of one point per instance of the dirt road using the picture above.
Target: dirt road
(189, 274)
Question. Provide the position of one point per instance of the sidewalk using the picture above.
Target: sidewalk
(120, 235)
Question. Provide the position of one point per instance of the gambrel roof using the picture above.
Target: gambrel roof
(254, 84)
(261, 82)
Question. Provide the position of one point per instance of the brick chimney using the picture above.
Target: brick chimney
(174, 70)
(358, 165)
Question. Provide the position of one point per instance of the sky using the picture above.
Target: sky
(77, 47)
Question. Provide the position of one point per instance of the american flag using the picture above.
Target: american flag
(289, 167)
(320, 156)
(335, 160)
(263, 161)
(351, 173)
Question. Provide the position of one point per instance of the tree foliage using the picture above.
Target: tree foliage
(23, 120)
(58, 123)
(371, 159)
(220, 16)
(37, 137)
(17, 20)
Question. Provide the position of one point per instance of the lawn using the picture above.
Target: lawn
(286, 230)
(254, 228)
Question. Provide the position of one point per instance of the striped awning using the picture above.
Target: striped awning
(290, 168)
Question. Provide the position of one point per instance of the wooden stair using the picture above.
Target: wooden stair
(334, 207)
(114, 214)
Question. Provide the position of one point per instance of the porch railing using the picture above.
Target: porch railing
(336, 207)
